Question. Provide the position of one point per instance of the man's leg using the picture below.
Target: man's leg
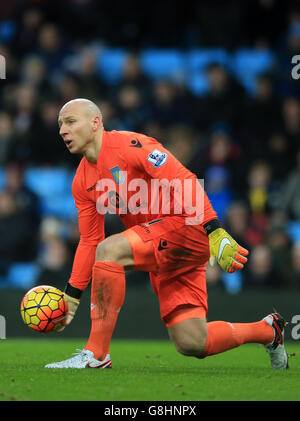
(195, 337)
(114, 255)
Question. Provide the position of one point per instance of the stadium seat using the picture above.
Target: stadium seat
(47, 181)
(61, 206)
(198, 83)
(111, 63)
(293, 231)
(7, 30)
(163, 63)
(233, 282)
(198, 59)
(252, 61)
(22, 275)
(221, 202)
(2, 178)
(247, 64)
(53, 187)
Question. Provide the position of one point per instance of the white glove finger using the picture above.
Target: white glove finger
(212, 261)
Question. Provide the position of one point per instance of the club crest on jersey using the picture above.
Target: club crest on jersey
(117, 175)
(157, 158)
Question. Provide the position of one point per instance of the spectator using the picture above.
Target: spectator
(218, 162)
(182, 143)
(259, 179)
(237, 221)
(290, 194)
(6, 137)
(132, 112)
(55, 264)
(223, 102)
(133, 75)
(167, 106)
(29, 21)
(278, 151)
(23, 110)
(218, 190)
(34, 75)
(68, 88)
(110, 114)
(58, 243)
(280, 247)
(52, 49)
(259, 202)
(27, 206)
(261, 113)
(50, 150)
(26, 200)
(18, 240)
(294, 273)
(83, 65)
(260, 272)
(291, 123)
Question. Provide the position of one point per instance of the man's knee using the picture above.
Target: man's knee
(115, 249)
(191, 346)
(105, 251)
(189, 337)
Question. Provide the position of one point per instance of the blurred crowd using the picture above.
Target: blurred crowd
(244, 144)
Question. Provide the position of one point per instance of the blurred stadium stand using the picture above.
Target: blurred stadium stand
(111, 63)
(223, 101)
(53, 187)
(189, 66)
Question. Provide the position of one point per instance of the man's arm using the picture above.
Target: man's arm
(91, 228)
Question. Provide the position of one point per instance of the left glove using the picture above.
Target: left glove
(228, 253)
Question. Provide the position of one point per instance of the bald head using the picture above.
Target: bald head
(84, 105)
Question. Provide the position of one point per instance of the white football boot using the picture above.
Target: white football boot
(82, 359)
(276, 350)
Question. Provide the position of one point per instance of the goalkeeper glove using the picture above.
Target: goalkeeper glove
(73, 301)
(223, 248)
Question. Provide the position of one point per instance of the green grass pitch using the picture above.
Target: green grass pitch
(144, 371)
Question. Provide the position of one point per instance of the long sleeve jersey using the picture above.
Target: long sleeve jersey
(137, 178)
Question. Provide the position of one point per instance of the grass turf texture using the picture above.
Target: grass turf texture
(144, 371)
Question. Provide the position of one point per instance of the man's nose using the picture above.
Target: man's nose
(63, 130)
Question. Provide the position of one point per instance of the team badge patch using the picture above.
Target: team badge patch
(117, 175)
(157, 158)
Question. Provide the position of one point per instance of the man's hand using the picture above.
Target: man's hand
(223, 248)
(73, 304)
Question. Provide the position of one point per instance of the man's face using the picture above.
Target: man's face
(76, 128)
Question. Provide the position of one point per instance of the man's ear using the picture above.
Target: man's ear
(96, 123)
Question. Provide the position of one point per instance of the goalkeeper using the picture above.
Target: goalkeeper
(174, 247)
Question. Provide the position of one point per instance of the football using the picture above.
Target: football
(44, 308)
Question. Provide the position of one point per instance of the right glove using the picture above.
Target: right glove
(73, 304)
